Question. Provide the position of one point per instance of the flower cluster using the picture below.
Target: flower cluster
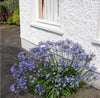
(53, 69)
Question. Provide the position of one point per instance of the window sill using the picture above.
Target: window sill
(47, 27)
(48, 22)
(96, 41)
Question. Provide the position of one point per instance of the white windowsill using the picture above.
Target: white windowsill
(48, 22)
(48, 27)
(96, 41)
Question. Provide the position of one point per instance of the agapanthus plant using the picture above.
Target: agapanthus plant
(53, 69)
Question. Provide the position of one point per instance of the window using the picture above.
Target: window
(47, 15)
(49, 11)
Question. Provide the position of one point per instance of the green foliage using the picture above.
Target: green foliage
(16, 17)
(16, 12)
(10, 5)
(1, 21)
(10, 20)
(3, 9)
(49, 91)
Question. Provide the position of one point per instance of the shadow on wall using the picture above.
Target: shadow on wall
(95, 44)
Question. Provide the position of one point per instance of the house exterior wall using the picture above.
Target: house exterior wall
(79, 23)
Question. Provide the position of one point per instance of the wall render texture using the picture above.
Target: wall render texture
(79, 23)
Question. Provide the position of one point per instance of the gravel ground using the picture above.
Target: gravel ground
(10, 46)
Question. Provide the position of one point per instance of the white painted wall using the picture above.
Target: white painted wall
(79, 23)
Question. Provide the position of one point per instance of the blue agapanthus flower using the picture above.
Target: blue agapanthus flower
(53, 68)
(12, 88)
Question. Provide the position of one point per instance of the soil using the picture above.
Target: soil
(10, 46)
(5, 26)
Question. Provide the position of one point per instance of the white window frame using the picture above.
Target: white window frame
(43, 24)
(50, 21)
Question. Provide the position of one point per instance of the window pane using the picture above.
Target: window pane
(44, 9)
(52, 10)
(49, 10)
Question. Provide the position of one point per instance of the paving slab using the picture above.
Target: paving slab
(10, 46)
